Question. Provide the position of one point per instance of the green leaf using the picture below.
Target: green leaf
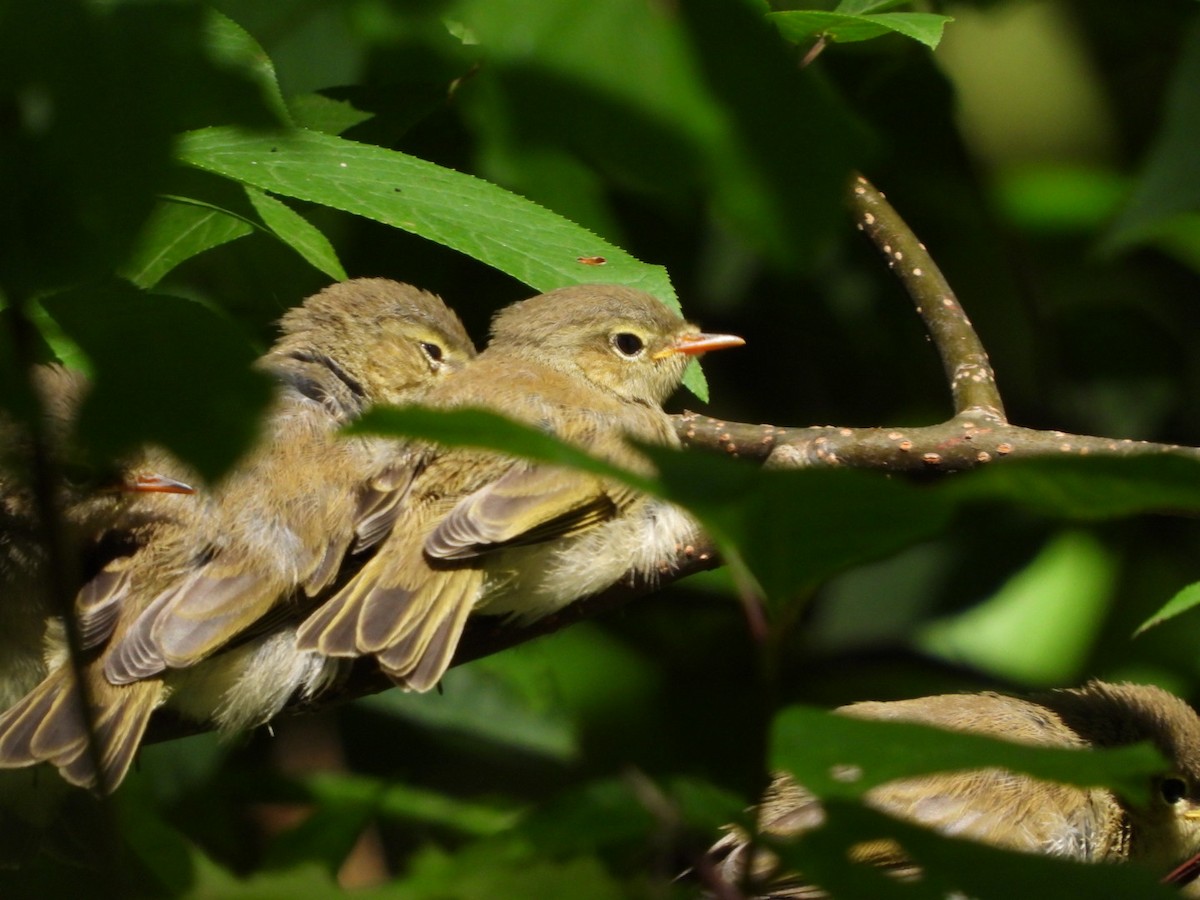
(298, 233)
(1168, 186)
(490, 431)
(839, 756)
(176, 231)
(848, 517)
(490, 702)
(232, 47)
(146, 350)
(802, 25)
(1186, 599)
(1039, 628)
(460, 211)
(1088, 487)
(950, 867)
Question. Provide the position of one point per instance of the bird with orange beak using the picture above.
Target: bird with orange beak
(484, 532)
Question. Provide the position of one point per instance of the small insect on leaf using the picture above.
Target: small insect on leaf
(592, 260)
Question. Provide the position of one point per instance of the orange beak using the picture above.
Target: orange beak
(156, 484)
(695, 344)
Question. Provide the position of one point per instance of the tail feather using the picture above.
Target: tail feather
(332, 627)
(419, 655)
(47, 725)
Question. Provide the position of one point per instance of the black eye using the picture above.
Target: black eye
(1173, 789)
(433, 351)
(628, 344)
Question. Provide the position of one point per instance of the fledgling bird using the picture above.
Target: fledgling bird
(275, 531)
(481, 531)
(1004, 809)
(100, 512)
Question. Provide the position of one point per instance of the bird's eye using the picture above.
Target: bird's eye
(1173, 789)
(628, 344)
(433, 351)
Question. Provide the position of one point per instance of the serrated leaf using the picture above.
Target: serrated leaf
(1186, 599)
(298, 233)
(232, 47)
(802, 25)
(499, 228)
(176, 231)
(461, 211)
(839, 756)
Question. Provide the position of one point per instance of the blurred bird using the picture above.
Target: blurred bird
(482, 531)
(272, 533)
(1005, 809)
(101, 512)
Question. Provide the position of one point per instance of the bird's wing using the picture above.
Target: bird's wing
(191, 620)
(380, 504)
(47, 726)
(525, 505)
(98, 603)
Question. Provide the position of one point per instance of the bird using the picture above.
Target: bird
(483, 531)
(196, 617)
(100, 509)
(1005, 809)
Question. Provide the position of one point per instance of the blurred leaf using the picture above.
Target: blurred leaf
(327, 836)
(146, 351)
(1059, 198)
(486, 702)
(1186, 599)
(176, 230)
(789, 143)
(848, 517)
(489, 430)
(800, 26)
(480, 873)
(158, 847)
(298, 233)
(1088, 487)
(1168, 185)
(951, 868)
(307, 882)
(95, 94)
(1039, 628)
(389, 799)
(839, 756)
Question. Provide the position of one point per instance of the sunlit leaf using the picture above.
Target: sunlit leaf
(1186, 599)
(298, 233)
(803, 25)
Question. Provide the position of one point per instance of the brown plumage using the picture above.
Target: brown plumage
(483, 531)
(272, 533)
(102, 513)
(1010, 810)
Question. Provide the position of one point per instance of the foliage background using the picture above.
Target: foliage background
(1044, 153)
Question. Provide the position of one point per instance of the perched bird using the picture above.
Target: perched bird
(481, 531)
(101, 512)
(1005, 809)
(271, 534)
